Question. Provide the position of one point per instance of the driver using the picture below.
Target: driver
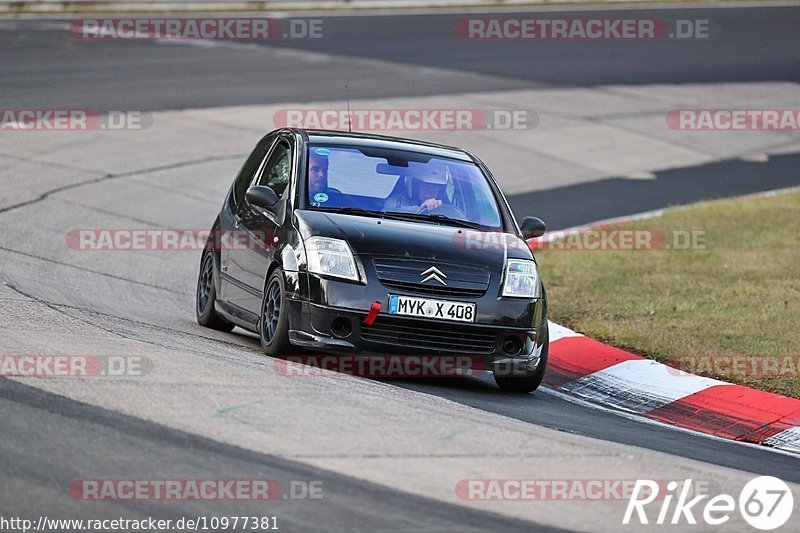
(426, 191)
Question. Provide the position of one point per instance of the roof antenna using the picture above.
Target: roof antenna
(349, 119)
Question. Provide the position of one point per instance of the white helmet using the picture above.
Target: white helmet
(435, 174)
(432, 173)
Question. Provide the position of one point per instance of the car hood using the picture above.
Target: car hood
(392, 238)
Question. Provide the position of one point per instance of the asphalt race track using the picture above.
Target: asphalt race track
(748, 45)
(389, 453)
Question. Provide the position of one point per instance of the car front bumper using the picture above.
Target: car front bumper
(329, 316)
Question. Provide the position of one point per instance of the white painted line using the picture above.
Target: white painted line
(642, 175)
(788, 440)
(755, 158)
(557, 331)
(638, 386)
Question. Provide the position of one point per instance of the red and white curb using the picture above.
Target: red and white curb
(614, 378)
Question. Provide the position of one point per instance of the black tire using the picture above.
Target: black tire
(526, 384)
(206, 295)
(273, 324)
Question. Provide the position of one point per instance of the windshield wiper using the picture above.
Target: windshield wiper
(353, 211)
(438, 218)
(393, 215)
(365, 212)
(456, 221)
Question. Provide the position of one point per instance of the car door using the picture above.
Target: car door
(258, 230)
(228, 218)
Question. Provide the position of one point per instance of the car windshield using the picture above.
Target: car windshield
(400, 184)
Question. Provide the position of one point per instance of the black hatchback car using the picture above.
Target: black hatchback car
(364, 244)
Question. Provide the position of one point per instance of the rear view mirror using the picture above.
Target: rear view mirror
(261, 196)
(392, 170)
(532, 227)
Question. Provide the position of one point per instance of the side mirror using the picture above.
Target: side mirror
(531, 227)
(261, 196)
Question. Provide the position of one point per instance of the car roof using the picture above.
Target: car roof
(344, 138)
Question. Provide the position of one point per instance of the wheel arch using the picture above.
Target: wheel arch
(285, 259)
(216, 254)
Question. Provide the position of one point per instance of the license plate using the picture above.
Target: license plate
(441, 309)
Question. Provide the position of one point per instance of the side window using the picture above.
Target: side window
(247, 172)
(278, 169)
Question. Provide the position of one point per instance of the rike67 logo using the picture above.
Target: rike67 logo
(765, 503)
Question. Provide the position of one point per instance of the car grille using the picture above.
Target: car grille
(405, 275)
(429, 335)
(432, 290)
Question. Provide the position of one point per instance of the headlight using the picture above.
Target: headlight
(331, 257)
(522, 279)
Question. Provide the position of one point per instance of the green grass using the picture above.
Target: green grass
(739, 296)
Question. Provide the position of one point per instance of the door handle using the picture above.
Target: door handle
(236, 221)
